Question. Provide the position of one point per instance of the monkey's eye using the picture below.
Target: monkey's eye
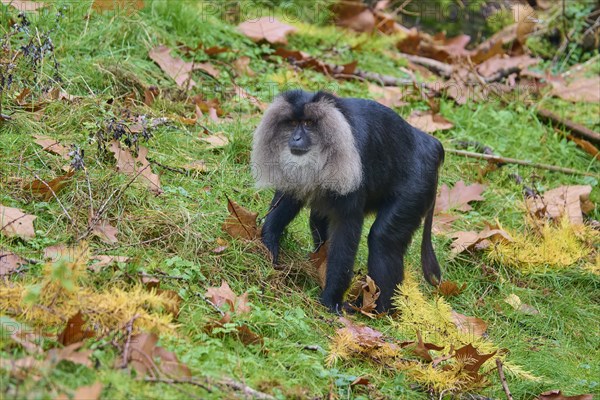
(293, 122)
(307, 123)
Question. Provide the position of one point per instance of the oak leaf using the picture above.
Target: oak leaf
(459, 197)
(222, 295)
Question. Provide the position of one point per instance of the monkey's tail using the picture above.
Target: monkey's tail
(429, 262)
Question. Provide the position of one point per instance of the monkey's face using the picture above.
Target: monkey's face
(300, 140)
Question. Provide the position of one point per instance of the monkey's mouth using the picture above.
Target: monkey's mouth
(298, 151)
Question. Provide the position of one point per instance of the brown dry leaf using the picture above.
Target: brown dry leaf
(571, 201)
(361, 380)
(70, 353)
(141, 348)
(105, 261)
(170, 364)
(526, 18)
(557, 395)
(420, 348)
(442, 223)
(74, 331)
(458, 197)
(91, 392)
(52, 146)
(449, 288)
(515, 302)
(224, 295)
(61, 251)
(472, 360)
(47, 190)
(241, 65)
(139, 166)
(437, 47)
(240, 223)
(428, 122)
(389, 96)
(370, 293)
(10, 262)
(24, 5)
(467, 240)
(469, 325)
(498, 63)
(211, 51)
(494, 45)
(198, 166)
(580, 89)
(150, 94)
(14, 222)
(109, 5)
(215, 141)
(105, 231)
(319, 262)
(176, 68)
(363, 334)
(248, 337)
(266, 28)
(355, 15)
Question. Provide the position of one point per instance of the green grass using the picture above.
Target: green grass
(105, 58)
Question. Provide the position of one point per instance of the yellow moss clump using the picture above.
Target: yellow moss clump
(63, 293)
(557, 247)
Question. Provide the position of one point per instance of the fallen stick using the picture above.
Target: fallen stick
(507, 160)
(503, 380)
(577, 129)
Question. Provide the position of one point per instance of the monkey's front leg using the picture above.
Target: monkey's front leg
(343, 245)
(282, 211)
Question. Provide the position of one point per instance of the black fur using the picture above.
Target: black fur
(400, 168)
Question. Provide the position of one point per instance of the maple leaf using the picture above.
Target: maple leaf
(421, 348)
(14, 222)
(136, 167)
(571, 201)
(429, 122)
(266, 28)
(240, 223)
(10, 262)
(222, 295)
(458, 197)
(389, 96)
(469, 325)
(105, 231)
(472, 360)
(74, 331)
(449, 288)
(179, 70)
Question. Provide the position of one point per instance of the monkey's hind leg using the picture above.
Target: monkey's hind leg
(389, 239)
(318, 228)
(283, 210)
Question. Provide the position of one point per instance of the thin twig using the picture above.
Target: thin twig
(503, 380)
(247, 390)
(179, 381)
(128, 341)
(507, 160)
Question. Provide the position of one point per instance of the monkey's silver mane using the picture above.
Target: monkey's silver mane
(333, 163)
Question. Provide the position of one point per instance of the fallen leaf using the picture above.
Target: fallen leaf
(176, 68)
(240, 223)
(248, 337)
(389, 96)
(319, 262)
(22, 367)
(14, 222)
(105, 261)
(557, 395)
(91, 392)
(105, 231)
(363, 334)
(429, 122)
(108, 5)
(150, 94)
(569, 201)
(136, 167)
(472, 360)
(170, 364)
(442, 223)
(215, 141)
(580, 89)
(198, 166)
(361, 380)
(26, 337)
(515, 302)
(526, 19)
(467, 240)
(222, 295)
(498, 63)
(47, 190)
(370, 293)
(420, 348)
(354, 15)
(458, 197)
(469, 325)
(10, 262)
(52, 146)
(71, 353)
(141, 349)
(266, 28)
(25, 5)
(449, 288)
(241, 65)
(74, 331)
(62, 251)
